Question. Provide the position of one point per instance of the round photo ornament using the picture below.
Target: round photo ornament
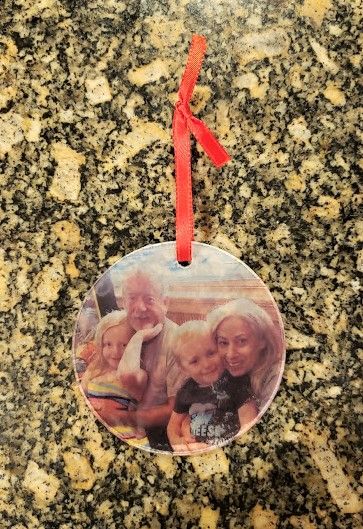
(179, 346)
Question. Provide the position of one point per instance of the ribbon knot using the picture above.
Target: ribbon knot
(185, 123)
(184, 109)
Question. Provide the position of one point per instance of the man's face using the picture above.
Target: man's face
(143, 303)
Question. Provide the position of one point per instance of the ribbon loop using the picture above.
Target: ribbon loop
(185, 123)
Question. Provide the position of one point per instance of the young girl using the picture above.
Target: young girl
(247, 338)
(114, 371)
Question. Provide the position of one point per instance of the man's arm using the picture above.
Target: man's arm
(155, 416)
(114, 415)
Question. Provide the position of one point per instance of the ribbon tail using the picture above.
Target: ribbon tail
(209, 142)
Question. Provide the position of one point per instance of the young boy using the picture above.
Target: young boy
(210, 397)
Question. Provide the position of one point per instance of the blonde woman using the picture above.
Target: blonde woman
(251, 345)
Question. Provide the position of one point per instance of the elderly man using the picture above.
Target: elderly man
(145, 302)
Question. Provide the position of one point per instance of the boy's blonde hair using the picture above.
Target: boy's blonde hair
(190, 330)
(98, 365)
(264, 329)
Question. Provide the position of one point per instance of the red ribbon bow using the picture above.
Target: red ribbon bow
(185, 123)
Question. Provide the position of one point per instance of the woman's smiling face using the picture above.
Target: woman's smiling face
(238, 344)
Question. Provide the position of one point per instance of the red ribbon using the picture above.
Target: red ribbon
(185, 123)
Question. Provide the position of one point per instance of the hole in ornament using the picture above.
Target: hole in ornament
(184, 263)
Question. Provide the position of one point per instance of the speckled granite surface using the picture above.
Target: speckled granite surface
(86, 171)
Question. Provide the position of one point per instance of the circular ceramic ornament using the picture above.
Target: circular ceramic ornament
(179, 359)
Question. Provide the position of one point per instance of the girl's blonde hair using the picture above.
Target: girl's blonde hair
(189, 330)
(98, 365)
(263, 328)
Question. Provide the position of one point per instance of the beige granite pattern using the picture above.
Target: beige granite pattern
(86, 175)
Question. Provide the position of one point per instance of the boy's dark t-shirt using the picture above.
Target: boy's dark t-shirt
(213, 410)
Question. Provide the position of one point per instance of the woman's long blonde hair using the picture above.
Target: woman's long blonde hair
(263, 327)
(98, 364)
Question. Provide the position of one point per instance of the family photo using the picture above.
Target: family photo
(179, 359)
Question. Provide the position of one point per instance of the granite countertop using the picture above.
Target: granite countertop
(86, 171)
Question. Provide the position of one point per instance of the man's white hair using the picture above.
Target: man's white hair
(156, 280)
